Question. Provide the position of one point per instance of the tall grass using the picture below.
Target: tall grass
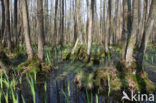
(0, 96)
(48, 58)
(68, 89)
(109, 87)
(1, 81)
(14, 97)
(6, 97)
(97, 98)
(89, 100)
(32, 87)
(66, 98)
(45, 90)
(23, 100)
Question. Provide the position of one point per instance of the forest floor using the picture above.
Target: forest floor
(69, 76)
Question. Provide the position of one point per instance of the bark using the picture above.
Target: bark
(7, 23)
(62, 24)
(26, 29)
(15, 21)
(87, 4)
(75, 21)
(132, 39)
(125, 27)
(107, 31)
(90, 27)
(40, 26)
(3, 20)
(55, 23)
(147, 32)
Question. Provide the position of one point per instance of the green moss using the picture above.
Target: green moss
(116, 84)
(118, 80)
(34, 65)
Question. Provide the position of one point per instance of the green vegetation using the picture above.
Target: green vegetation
(93, 79)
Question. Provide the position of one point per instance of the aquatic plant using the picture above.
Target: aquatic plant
(6, 97)
(48, 57)
(14, 97)
(0, 96)
(23, 100)
(109, 87)
(88, 101)
(31, 83)
(45, 90)
(1, 81)
(35, 73)
(66, 98)
(97, 98)
(68, 89)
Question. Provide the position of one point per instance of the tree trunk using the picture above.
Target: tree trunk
(3, 20)
(62, 24)
(55, 23)
(7, 23)
(40, 26)
(26, 29)
(90, 27)
(132, 39)
(15, 21)
(107, 28)
(125, 27)
(147, 32)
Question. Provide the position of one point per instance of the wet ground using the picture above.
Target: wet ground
(61, 88)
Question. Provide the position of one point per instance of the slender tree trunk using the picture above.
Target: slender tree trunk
(40, 26)
(55, 23)
(125, 28)
(90, 27)
(3, 20)
(147, 32)
(107, 28)
(75, 21)
(26, 29)
(87, 4)
(7, 23)
(62, 24)
(15, 21)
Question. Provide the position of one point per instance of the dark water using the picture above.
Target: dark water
(62, 81)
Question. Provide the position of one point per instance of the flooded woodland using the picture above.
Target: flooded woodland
(77, 51)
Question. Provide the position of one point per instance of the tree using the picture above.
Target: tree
(107, 28)
(7, 23)
(132, 40)
(3, 19)
(55, 23)
(147, 32)
(90, 27)
(40, 26)
(125, 27)
(26, 29)
(15, 21)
